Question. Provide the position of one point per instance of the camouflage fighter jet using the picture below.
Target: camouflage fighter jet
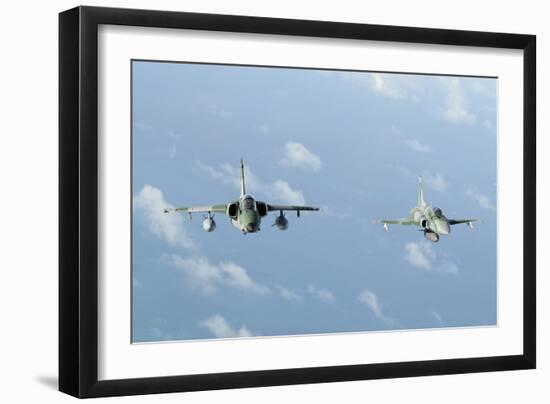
(245, 213)
(431, 220)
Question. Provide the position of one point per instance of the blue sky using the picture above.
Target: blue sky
(353, 143)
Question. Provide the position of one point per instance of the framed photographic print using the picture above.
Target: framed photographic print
(249, 201)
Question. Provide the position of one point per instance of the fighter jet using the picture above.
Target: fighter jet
(431, 220)
(245, 213)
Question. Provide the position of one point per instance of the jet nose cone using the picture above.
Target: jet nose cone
(251, 227)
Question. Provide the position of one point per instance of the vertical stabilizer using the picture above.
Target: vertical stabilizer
(243, 191)
(420, 202)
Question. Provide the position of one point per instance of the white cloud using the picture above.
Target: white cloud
(435, 181)
(419, 147)
(281, 190)
(208, 277)
(298, 156)
(277, 191)
(289, 294)
(383, 85)
(484, 87)
(399, 87)
(422, 255)
(225, 173)
(150, 204)
(323, 295)
(237, 277)
(449, 267)
(264, 129)
(159, 334)
(482, 200)
(456, 105)
(370, 299)
(438, 317)
(220, 328)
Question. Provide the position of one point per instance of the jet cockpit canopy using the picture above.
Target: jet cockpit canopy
(249, 203)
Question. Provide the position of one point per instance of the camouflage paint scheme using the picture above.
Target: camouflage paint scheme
(431, 220)
(245, 213)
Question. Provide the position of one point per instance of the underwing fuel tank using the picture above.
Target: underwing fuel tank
(281, 222)
(430, 235)
(209, 224)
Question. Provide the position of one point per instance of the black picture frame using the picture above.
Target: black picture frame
(78, 201)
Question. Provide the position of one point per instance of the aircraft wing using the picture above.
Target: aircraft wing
(271, 208)
(193, 209)
(459, 221)
(405, 222)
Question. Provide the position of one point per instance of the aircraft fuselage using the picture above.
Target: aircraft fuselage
(248, 218)
(431, 220)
